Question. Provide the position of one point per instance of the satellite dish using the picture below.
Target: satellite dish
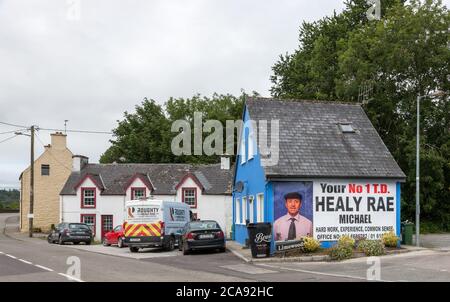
(239, 187)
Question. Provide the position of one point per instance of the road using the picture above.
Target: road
(36, 260)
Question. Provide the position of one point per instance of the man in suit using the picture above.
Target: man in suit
(292, 225)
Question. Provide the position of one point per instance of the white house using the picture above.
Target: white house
(96, 193)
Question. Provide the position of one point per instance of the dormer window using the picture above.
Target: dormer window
(347, 128)
(137, 193)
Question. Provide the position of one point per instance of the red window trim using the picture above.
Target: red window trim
(138, 188)
(195, 195)
(95, 221)
(82, 198)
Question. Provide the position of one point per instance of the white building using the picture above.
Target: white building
(96, 193)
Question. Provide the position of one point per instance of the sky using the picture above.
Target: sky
(88, 61)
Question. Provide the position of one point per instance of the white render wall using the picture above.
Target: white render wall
(214, 207)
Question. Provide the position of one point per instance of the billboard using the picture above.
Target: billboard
(328, 209)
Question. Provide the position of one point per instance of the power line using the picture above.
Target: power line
(7, 139)
(13, 131)
(13, 125)
(76, 131)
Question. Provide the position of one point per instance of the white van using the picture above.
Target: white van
(154, 223)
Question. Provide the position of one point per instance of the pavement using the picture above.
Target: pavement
(33, 259)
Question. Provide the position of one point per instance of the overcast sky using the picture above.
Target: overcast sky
(89, 71)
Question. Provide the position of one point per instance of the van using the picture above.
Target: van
(154, 223)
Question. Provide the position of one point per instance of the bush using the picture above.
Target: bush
(341, 251)
(390, 239)
(372, 247)
(311, 244)
(347, 240)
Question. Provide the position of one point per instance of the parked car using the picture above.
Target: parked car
(202, 235)
(71, 232)
(115, 236)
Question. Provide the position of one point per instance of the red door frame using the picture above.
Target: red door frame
(102, 223)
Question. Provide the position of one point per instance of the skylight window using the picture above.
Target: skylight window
(347, 128)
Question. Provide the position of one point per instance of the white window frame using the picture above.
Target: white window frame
(251, 207)
(244, 209)
(242, 149)
(251, 145)
(260, 207)
(237, 204)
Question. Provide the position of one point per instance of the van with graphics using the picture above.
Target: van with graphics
(154, 223)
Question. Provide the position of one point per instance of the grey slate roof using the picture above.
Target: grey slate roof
(164, 177)
(312, 144)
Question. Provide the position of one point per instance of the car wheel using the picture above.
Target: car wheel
(120, 243)
(105, 242)
(180, 245)
(60, 240)
(185, 249)
(49, 240)
(171, 244)
(134, 249)
(222, 250)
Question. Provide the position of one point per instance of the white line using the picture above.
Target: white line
(10, 256)
(1, 253)
(25, 261)
(44, 268)
(70, 277)
(320, 273)
(239, 256)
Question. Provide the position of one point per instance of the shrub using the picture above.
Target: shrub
(311, 244)
(390, 239)
(347, 240)
(372, 247)
(341, 251)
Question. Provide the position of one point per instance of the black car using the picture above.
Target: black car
(71, 232)
(202, 235)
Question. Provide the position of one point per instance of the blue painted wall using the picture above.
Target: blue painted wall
(252, 175)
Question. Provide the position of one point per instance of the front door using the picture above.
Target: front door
(107, 224)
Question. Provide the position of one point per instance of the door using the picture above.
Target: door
(107, 224)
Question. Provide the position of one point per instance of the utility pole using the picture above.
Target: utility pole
(31, 213)
(418, 172)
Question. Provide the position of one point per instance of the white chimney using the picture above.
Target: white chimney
(78, 162)
(225, 163)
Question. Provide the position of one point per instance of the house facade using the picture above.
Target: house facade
(328, 173)
(96, 193)
(51, 170)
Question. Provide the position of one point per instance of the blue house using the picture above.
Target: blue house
(314, 168)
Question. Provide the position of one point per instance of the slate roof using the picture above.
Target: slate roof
(164, 177)
(313, 145)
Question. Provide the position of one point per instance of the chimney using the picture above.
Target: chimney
(59, 141)
(78, 162)
(225, 163)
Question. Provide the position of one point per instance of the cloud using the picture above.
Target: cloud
(92, 70)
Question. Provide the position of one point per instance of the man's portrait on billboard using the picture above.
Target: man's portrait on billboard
(292, 223)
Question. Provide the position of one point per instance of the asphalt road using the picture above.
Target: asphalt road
(36, 260)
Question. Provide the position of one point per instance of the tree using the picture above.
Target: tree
(404, 54)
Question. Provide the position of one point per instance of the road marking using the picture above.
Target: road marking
(10, 256)
(70, 277)
(44, 268)
(25, 261)
(248, 269)
(320, 273)
(239, 256)
(1, 253)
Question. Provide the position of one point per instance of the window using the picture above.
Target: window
(251, 207)
(89, 219)
(347, 128)
(244, 210)
(251, 145)
(137, 193)
(260, 208)
(45, 170)
(88, 197)
(242, 150)
(237, 206)
(189, 196)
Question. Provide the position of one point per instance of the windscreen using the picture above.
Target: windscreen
(73, 226)
(204, 225)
